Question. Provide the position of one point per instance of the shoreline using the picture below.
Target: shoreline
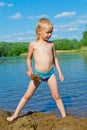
(64, 51)
(41, 121)
(81, 50)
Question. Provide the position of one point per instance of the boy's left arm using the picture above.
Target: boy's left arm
(57, 65)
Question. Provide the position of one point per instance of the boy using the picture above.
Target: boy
(45, 58)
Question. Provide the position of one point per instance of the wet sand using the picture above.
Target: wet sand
(41, 121)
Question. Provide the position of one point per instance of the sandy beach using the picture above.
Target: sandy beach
(41, 121)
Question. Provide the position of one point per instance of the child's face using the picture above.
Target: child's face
(45, 33)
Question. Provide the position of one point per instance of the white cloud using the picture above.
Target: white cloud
(79, 21)
(65, 14)
(83, 16)
(55, 30)
(10, 5)
(30, 38)
(5, 36)
(21, 39)
(18, 34)
(21, 36)
(25, 38)
(55, 36)
(16, 16)
(61, 27)
(72, 29)
(30, 32)
(36, 17)
(72, 26)
(2, 4)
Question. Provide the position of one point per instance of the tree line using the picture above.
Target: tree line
(15, 49)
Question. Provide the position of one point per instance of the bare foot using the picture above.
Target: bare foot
(11, 118)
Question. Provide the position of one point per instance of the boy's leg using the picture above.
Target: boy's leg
(28, 94)
(52, 83)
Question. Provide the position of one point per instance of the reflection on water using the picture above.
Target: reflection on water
(14, 82)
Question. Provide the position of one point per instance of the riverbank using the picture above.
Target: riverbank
(81, 50)
(41, 121)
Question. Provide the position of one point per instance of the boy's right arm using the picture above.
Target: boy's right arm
(29, 60)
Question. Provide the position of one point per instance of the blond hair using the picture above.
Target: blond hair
(42, 23)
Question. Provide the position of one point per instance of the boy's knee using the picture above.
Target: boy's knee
(56, 97)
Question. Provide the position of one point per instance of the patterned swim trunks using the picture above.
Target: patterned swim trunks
(44, 75)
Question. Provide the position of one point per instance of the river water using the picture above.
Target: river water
(73, 91)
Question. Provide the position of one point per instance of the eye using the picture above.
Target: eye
(49, 32)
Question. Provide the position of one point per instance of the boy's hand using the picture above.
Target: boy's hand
(61, 77)
(29, 73)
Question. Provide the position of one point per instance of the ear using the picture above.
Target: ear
(39, 32)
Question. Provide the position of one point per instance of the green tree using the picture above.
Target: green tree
(85, 35)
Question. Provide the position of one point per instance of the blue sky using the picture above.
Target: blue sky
(18, 18)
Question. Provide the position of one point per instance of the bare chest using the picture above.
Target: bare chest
(43, 49)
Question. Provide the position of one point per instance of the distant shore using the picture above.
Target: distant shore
(81, 50)
(41, 121)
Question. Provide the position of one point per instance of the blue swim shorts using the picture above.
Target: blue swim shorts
(44, 75)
